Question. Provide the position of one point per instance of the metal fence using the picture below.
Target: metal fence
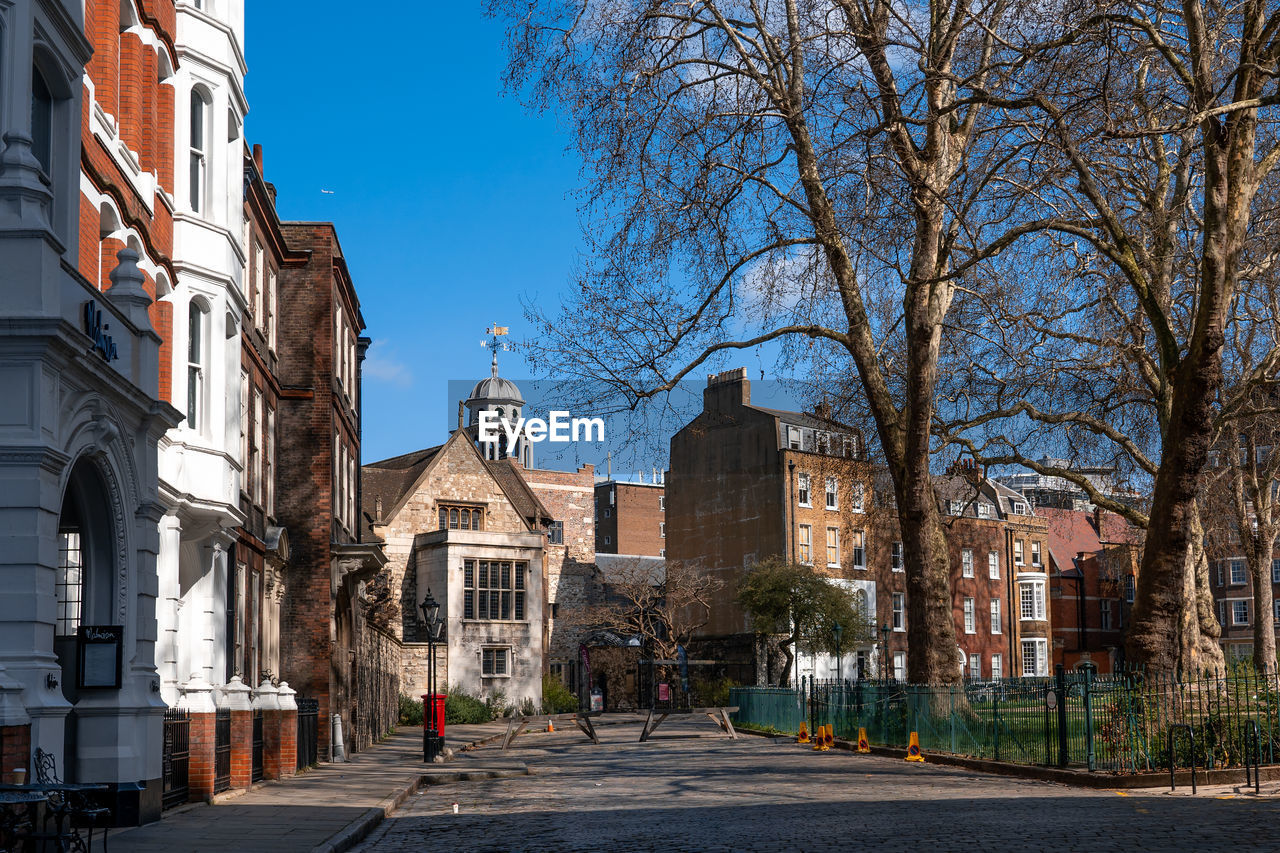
(308, 732)
(221, 750)
(255, 771)
(1116, 723)
(176, 759)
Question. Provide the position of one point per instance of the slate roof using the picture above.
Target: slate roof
(391, 479)
(522, 497)
(1071, 532)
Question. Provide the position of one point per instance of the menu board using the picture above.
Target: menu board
(100, 651)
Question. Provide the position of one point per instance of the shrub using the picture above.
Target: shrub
(714, 693)
(498, 705)
(556, 698)
(411, 713)
(461, 708)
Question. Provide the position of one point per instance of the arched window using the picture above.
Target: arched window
(41, 120)
(196, 321)
(198, 146)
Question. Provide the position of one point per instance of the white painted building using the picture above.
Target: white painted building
(200, 464)
(79, 425)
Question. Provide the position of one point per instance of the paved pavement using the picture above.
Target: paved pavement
(690, 788)
(328, 808)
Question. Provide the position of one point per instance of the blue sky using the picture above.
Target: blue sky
(451, 201)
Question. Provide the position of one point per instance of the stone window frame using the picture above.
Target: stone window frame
(489, 658)
(518, 590)
(472, 511)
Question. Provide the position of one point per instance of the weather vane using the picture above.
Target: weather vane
(494, 342)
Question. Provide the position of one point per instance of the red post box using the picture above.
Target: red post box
(428, 701)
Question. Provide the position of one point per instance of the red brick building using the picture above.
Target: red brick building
(317, 484)
(747, 483)
(1094, 559)
(631, 518)
(262, 545)
(127, 151)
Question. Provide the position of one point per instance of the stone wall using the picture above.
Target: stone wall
(377, 687)
(572, 580)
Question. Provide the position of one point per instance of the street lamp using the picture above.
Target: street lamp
(432, 741)
(884, 649)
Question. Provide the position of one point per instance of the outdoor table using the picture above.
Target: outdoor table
(719, 716)
(12, 822)
(59, 810)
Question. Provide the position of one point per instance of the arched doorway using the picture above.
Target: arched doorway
(83, 582)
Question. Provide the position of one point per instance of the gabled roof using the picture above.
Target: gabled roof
(395, 479)
(522, 497)
(392, 479)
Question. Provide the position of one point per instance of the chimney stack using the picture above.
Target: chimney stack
(257, 157)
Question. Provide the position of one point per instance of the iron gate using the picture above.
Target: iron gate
(177, 756)
(222, 750)
(308, 732)
(256, 771)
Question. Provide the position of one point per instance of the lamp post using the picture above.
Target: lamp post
(884, 649)
(432, 741)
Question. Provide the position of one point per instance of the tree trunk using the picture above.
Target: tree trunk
(785, 678)
(931, 630)
(1209, 650)
(1264, 631)
(1155, 637)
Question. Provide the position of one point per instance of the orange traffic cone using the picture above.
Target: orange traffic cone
(913, 749)
(551, 727)
(863, 744)
(803, 736)
(830, 740)
(818, 735)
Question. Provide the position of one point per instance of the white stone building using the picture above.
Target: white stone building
(200, 464)
(79, 426)
(471, 539)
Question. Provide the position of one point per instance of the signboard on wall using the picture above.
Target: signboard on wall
(99, 656)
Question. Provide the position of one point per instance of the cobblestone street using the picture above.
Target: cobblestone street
(689, 789)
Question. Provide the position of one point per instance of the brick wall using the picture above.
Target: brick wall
(571, 581)
(634, 520)
(304, 495)
(15, 750)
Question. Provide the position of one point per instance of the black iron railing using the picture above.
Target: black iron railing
(256, 770)
(176, 757)
(308, 732)
(222, 750)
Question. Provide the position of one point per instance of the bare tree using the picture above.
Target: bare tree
(664, 604)
(771, 170)
(1158, 119)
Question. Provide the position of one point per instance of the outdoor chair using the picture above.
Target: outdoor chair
(75, 806)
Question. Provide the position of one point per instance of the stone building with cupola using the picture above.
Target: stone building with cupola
(500, 545)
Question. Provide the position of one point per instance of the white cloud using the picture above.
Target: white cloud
(381, 365)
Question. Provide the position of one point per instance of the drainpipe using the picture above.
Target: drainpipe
(362, 349)
(788, 515)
